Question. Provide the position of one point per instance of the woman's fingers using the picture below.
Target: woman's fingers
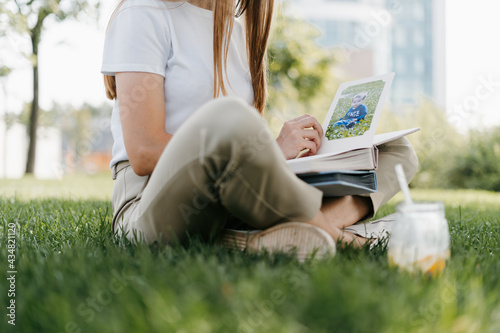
(300, 133)
(307, 144)
(308, 121)
(312, 135)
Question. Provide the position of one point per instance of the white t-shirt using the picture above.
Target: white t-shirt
(172, 39)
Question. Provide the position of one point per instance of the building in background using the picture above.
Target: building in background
(418, 52)
(378, 36)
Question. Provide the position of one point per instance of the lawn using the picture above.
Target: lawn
(73, 276)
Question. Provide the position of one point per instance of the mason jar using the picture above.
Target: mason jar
(420, 238)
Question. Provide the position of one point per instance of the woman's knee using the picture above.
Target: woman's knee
(403, 152)
(411, 158)
(232, 119)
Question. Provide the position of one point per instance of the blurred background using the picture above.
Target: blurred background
(444, 54)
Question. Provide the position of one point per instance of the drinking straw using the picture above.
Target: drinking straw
(402, 183)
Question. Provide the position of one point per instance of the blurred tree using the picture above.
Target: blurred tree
(27, 18)
(82, 128)
(435, 143)
(477, 164)
(447, 158)
(300, 71)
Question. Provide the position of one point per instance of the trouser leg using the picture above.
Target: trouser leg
(390, 154)
(222, 159)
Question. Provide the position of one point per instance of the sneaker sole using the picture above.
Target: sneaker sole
(304, 240)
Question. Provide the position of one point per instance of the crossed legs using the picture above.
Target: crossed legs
(223, 160)
(337, 213)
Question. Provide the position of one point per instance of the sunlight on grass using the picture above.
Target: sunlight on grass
(455, 198)
(78, 186)
(99, 186)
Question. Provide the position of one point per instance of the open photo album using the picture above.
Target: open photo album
(349, 142)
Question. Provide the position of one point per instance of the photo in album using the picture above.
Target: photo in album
(353, 114)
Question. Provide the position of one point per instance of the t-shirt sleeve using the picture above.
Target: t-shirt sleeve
(137, 40)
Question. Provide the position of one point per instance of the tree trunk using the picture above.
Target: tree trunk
(33, 124)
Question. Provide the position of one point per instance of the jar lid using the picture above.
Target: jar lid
(421, 207)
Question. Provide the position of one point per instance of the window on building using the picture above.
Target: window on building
(400, 65)
(418, 38)
(418, 66)
(400, 37)
(418, 11)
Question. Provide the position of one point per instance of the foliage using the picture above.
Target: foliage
(73, 275)
(300, 76)
(477, 164)
(447, 158)
(84, 129)
(295, 58)
(74, 122)
(373, 91)
(27, 16)
(434, 144)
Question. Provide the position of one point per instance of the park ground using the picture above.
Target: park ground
(72, 275)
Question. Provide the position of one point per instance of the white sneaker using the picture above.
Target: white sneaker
(304, 240)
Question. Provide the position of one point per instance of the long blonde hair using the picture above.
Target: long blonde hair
(258, 17)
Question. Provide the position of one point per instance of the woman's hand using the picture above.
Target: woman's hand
(301, 133)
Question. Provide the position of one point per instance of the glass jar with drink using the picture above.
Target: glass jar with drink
(420, 239)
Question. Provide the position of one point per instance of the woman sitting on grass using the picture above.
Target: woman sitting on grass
(190, 146)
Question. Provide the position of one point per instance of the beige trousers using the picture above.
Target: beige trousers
(224, 161)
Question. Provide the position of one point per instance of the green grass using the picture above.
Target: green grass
(79, 186)
(73, 276)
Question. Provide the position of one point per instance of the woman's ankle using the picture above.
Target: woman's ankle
(321, 221)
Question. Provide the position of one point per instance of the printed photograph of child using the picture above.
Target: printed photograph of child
(354, 111)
